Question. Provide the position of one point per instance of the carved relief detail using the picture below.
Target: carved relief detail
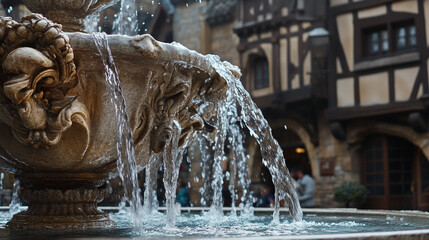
(176, 99)
(62, 202)
(37, 75)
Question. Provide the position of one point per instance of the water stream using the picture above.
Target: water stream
(172, 156)
(127, 167)
(272, 155)
(150, 203)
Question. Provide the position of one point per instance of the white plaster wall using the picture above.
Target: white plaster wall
(345, 92)
(409, 6)
(404, 82)
(372, 12)
(339, 68)
(345, 30)
(283, 64)
(374, 89)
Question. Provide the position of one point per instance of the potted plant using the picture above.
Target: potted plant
(351, 192)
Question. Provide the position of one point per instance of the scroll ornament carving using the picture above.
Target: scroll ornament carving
(37, 74)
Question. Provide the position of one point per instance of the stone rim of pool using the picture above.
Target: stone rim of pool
(415, 216)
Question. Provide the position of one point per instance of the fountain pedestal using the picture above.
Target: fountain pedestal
(61, 200)
(70, 14)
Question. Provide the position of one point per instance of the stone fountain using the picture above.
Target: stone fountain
(58, 131)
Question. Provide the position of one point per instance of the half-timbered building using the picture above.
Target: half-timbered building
(378, 96)
(349, 81)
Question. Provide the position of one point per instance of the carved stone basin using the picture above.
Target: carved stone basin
(57, 122)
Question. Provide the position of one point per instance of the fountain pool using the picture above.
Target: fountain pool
(196, 223)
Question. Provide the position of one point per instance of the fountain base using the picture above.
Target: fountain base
(61, 201)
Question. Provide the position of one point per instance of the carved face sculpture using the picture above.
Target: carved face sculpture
(31, 72)
(36, 81)
(32, 89)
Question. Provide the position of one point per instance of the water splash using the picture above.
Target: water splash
(127, 167)
(15, 203)
(91, 23)
(126, 21)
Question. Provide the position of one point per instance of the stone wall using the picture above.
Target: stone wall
(187, 25)
(224, 43)
(344, 168)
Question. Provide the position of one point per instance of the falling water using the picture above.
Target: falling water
(239, 165)
(237, 108)
(253, 119)
(15, 203)
(172, 156)
(206, 169)
(150, 201)
(127, 167)
(126, 21)
(228, 132)
(1, 188)
(216, 208)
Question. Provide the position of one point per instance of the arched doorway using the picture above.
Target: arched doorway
(395, 172)
(294, 150)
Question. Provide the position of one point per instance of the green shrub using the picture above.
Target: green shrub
(350, 192)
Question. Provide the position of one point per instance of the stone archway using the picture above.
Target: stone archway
(305, 138)
(358, 132)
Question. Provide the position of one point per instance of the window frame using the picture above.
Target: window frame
(406, 25)
(389, 22)
(258, 60)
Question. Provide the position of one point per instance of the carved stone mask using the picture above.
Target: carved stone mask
(37, 75)
(31, 72)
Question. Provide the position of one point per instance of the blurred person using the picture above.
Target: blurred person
(183, 195)
(267, 197)
(306, 188)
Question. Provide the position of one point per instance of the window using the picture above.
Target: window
(260, 75)
(405, 37)
(377, 42)
(389, 38)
